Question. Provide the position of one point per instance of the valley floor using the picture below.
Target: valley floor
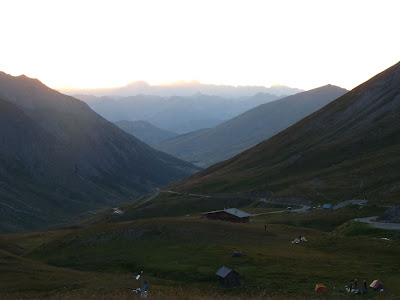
(179, 254)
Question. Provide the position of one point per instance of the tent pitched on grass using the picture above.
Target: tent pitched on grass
(320, 288)
(377, 285)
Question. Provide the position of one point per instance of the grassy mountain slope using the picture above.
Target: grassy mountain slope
(207, 147)
(145, 131)
(180, 253)
(60, 159)
(185, 252)
(348, 149)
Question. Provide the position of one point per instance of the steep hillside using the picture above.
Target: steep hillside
(224, 141)
(145, 131)
(348, 149)
(59, 159)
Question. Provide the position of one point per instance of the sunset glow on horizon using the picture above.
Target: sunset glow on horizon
(303, 44)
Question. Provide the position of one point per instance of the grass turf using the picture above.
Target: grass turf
(189, 251)
(180, 255)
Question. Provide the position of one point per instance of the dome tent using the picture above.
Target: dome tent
(377, 285)
(320, 288)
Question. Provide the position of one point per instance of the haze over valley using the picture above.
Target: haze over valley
(209, 146)
(183, 89)
(179, 114)
(62, 164)
(199, 150)
(55, 150)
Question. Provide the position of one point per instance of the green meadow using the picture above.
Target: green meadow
(180, 254)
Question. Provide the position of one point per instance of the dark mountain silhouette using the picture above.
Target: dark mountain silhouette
(60, 159)
(347, 150)
(176, 113)
(207, 147)
(145, 131)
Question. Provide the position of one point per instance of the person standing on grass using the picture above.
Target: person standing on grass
(351, 286)
(355, 283)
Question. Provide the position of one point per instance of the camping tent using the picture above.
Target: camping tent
(237, 254)
(377, 285)
(320, 288)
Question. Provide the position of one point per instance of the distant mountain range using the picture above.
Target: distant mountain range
(59, 159)
(145, 131)
(184, 89)
(349, 149)
(209, 146)
(177, 114)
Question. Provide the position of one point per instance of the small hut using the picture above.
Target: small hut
(228, 277)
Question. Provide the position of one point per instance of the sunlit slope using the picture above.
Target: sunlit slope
(348, 149)
(209, 146)
(59, 159)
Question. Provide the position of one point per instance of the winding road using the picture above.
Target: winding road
(152, 196)
(371, 221)
(303, 209)
(342, 204)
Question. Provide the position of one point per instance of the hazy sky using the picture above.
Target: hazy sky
(302, 44)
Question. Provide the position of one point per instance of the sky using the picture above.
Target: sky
(303, 44)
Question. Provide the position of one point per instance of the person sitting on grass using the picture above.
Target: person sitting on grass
(364, 288)
(351, 287)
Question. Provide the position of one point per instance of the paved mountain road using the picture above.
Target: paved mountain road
(370, 221)
(342, 204)
(303, 209)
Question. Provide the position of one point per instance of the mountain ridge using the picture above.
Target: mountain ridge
(235, 135)
(349, 146)
(145, 131)
(175, 113)
(184, 89)
(71, 160)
